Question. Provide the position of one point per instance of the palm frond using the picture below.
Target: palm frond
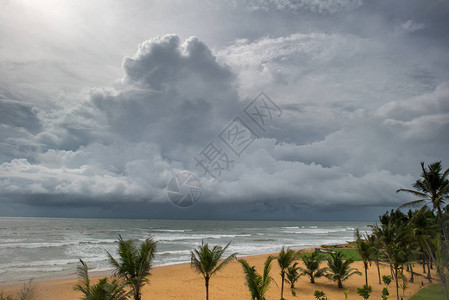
(414, 203)
(28, 291)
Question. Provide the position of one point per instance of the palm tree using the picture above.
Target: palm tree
(398, 254)
(257, 284)
(365, 251)
(135, 263)
(103, 290)
(293, 274)
(423, 230)
(312, 266)
(285, 259)
(339, 270)
(27, 292)
(207, 261)
(376, 253)
(432, 188)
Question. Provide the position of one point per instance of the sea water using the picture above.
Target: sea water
(44, 247)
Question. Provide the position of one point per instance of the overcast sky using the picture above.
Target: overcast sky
(103, 102)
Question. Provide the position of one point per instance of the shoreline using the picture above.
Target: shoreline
(179, 281)
(105, 273)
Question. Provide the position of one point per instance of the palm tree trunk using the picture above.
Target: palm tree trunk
(340, 285)
(412, 276)
(137, 295)
(429, 277)
(397, 283)
(440, 216)
(378, 271)
(424, 264)
(282, 285)
(366, 273)
(206, 281)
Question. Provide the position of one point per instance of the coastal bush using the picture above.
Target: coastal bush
(103, 290)
(365, 291)
(385, 293)
(312, 266)
(339, 269)
(293, 275)
(386, 280)
(27, 292)
(320, 295)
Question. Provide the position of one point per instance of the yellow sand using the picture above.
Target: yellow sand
(181, 282)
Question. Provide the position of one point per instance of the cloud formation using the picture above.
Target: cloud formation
(361, 108)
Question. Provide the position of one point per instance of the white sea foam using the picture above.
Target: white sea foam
(47, 247)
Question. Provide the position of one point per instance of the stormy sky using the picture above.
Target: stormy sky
(103, 102)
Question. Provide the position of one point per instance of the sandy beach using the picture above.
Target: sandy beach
(181, 282)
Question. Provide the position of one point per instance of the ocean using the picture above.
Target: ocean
(47, 247)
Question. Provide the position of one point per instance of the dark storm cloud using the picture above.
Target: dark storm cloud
(15, 114)
(363, 88)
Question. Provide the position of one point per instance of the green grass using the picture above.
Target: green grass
(347, 253)
(434, 292)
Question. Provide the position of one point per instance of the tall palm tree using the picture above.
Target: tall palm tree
(135, 263)
(340, 270)
(103, 290)
(423, 230)
(398, 254)
(285, 259)
(432, 188)
(206, 261)
(293, 274)
(257, 284)
(365, 251)
(312, 266)
(376, 252)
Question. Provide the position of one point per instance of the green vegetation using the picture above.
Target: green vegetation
(434, 292)
(27, 292)
(339, 269)
(365, 291)
(206, 261)
(312, 266)
(103, 290)
(285, 259)
(320, 295)
(433, 189)
(292, 275)
(257, 284)
(364, 248)
(346, 252)
(135, 263)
